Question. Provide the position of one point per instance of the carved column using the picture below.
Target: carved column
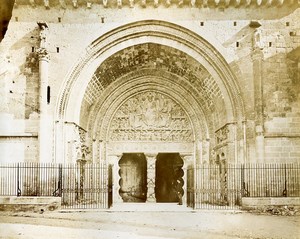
(151, 159)
(45, 150)
(114, 161)
(188, 160)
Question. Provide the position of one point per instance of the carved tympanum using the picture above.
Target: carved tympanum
(150, 116)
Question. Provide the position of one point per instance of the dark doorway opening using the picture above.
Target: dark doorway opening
(168, 177)
(133, 173)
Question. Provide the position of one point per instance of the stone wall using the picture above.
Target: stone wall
(282, 90)
(72, 30)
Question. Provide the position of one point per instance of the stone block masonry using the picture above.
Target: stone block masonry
(34, 204)
(72, 30)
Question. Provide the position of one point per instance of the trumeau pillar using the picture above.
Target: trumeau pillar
(257, 59)
(151, 160)
(45, 150)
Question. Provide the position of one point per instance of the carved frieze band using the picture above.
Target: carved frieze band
(150, 116)
(156, 3)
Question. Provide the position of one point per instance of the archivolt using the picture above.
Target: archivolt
(158, 32)
(127, 86)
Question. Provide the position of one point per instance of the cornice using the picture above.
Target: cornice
(89, 4)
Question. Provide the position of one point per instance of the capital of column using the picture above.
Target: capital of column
(43, 54)
(188, 159)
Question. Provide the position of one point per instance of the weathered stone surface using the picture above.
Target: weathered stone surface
(72, 33)
(35, 204)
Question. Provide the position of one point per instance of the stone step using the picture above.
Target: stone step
(157, 207)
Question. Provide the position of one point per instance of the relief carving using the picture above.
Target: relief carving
(222, 134)
(150, 116)
(82, 150)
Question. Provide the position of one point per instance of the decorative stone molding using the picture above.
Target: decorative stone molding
(179, 3)
(149, 147)
(151, 161)
(184, 38)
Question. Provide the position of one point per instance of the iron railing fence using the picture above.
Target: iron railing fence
(80, 185)
(190, 194)
(271, 180)
(222, 186)
(85, 186)
(30, 179)
(217, 186)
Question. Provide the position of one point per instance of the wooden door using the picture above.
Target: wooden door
(133, 173)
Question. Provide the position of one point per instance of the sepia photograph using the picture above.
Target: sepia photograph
(150, 119)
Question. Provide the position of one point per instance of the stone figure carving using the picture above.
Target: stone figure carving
(42, 51)
(222, 134)
(150, 116)
(82, 150)
(43, 36)
(257, 39)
